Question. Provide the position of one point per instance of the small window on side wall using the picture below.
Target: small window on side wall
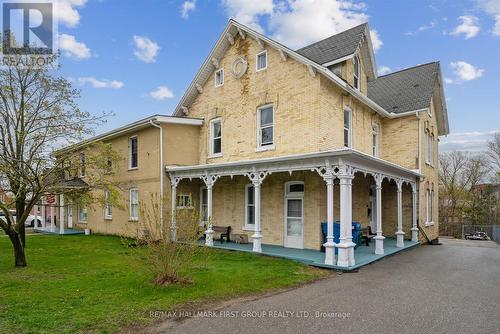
(265, 121)
(261, 61)
(216, 137)
(219, 77)
(347, 127)
(375, 140)
(133, 161)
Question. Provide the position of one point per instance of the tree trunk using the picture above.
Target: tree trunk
(19, 255)
(20, 207)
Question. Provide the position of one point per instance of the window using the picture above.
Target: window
(81, 170)
(108, 207)
(134, 204)
(261, 61)
(133, 161)
(295, 188)
(82, 214)
(347, 128)
(67, 170)
(429, 148)
(249, 207)
(357, 73)
(375, 141)
(431, 218)
(204, 204)
(216, 137)
(265, 121)
(336, 69)
(219, 77)
(184, 201)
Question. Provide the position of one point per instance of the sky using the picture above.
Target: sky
(136, 58)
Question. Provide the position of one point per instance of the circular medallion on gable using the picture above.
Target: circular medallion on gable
(239, 67)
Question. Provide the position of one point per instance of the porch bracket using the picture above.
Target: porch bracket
(400, 234)
(379, 238)
(257, 177)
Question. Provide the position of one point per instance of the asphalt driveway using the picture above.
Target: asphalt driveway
(453, 288)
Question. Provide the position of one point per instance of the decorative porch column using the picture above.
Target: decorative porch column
(35, 223)
(345, 247)
(400, 234)
(257, 177)
(414, 228)
(61, 214)
(43, 213)
(209, 182)
(52, 223)
(379, 238)
(174, 181)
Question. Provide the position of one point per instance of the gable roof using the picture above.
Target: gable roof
(408, 90)
(342, 46)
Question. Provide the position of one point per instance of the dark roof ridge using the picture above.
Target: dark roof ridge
(321, 40)
(408, 68)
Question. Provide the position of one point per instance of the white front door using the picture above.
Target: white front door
(294, 222)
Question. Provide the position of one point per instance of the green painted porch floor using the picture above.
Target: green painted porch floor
(363, 255)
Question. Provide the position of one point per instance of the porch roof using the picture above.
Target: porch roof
(362, 162)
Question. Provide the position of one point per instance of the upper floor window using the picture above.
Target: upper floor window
(265, 121)
(375, 140)
(429, 148)
(219, 77)
(134, 204)
(347, 127)
(216, 137)
(357, 73)
(261, 61)
(81, 170)
(133, 161)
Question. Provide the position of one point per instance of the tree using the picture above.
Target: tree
(38, 114)
(493, 153)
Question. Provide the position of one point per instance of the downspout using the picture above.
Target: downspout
(161, 172)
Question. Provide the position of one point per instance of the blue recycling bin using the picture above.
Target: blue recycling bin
(356, 233)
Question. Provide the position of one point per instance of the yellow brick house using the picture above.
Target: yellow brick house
(273, 141)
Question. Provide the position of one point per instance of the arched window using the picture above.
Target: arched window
(375, 143)
(357, 73)
(347, 127)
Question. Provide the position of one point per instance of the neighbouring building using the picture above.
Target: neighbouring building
(273, 141)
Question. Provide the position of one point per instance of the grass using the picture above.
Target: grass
(82, 284)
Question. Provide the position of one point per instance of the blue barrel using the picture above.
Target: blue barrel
(356, 233)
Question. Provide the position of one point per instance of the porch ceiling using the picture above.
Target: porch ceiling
(361, 162)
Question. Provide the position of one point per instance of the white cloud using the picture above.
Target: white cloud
(382, 70)
(248, 12)
(161, 93)
(114, 84)
(496, 28)
(422, 28)
(187, 6)
(469, 26)
(376, 40)
(66, 13)
(467, 141)
(465, 71)
(145, 49)
(449, 81)
(70, 47)
(492, 7)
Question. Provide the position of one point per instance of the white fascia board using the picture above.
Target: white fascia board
(339, 60)
(179, 120)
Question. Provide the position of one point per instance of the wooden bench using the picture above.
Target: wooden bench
(225, 231)
(367, 235)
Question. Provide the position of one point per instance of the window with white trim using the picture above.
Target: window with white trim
(265, 121)
(133, 158)
(347, 127)
(431, 218)
(375, 141)
(357, 73)
(429, 147)
(295, 188)
(249, 207)
(204, 204)
(184, 201)
(81, 170)
(261, 61)
(108, 207)
(82, 214)
(134, 204)
(216, 137)
(219, 77)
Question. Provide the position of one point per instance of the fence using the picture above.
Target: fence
(460, 230)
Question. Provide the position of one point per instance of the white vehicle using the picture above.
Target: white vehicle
(30, 221)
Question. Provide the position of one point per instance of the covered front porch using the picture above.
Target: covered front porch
(280, 202)
(363, 255)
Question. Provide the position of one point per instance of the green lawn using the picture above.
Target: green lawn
(95, 284)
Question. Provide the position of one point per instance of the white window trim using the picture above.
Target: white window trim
(131, 218)
(221, 70)
(211, 153)
(257, 69)
(201, 205)
(349, 135)
(81, 169)
(246, 226)
(79, 220)
(190, 206)
(268, 147)
(107, 205)
(130, 153)
(293, 194)
(376, 145)
(358, 74)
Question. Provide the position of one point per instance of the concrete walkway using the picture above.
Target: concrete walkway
(453, 288)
